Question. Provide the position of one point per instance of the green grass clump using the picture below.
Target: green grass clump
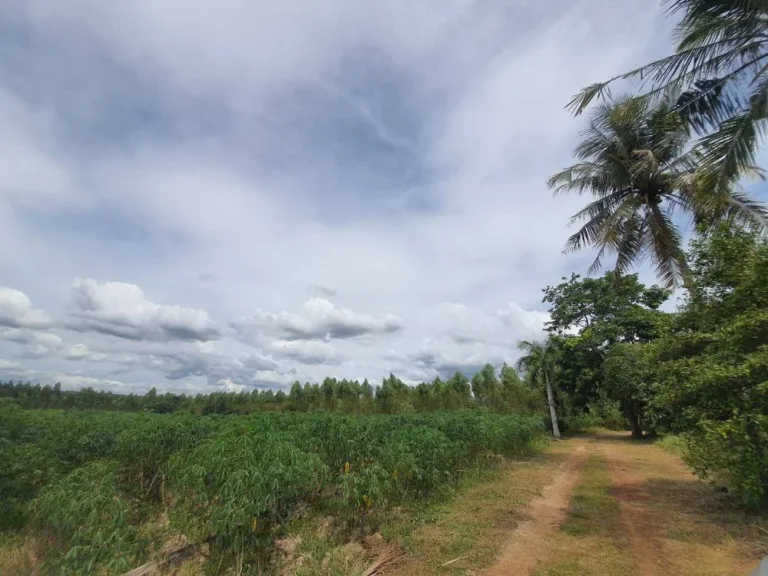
(674, 444)
(593, 510)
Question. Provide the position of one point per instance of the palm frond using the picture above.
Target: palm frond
(666, 247)
(602, 207)
(746, 212)
(728, 150)
(631, 246)
(677, 71)
(582, 178)
(603, 226)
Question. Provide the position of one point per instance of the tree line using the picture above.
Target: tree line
(499, 392)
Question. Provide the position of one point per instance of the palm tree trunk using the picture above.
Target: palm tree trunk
(551, 401)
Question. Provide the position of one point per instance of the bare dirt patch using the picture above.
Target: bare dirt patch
(465, 535)
(676, 524)
(527, 544)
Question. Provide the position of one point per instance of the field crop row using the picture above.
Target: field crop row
(92, 481)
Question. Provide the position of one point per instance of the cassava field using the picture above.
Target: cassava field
(451, 492)
(104, 492)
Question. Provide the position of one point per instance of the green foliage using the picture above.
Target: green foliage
(233, 480)
(38, 447)
(634, 162)
(239, 486)
(628, 370)
(89, 519)
(607, 413)
(420, 459)
(151, 440)
(598, 318)
(579, 303)
(711, 384)
(674, 444)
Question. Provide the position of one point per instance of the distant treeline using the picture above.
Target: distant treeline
(502, 392)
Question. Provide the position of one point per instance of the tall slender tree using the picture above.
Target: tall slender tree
(539, 361)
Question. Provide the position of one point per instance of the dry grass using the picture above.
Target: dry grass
(22, 555)
(681, 525)
(387, 558)
(475, 525)
(591, 540)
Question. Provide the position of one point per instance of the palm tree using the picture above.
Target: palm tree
(539, 361)
(634, 160)
(721, 69)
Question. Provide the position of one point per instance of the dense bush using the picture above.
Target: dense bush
(36, 447)
(90, 520)
(145, 447)
(239, 486)
(711, 381)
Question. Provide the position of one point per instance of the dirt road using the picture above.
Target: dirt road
(528, 542)
(600, 504)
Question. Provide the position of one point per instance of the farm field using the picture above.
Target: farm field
(462, 492)
(96, 492)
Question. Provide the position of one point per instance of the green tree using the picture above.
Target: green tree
(720, 65)
(509, 377)
(328, 389)
(711, 381)
(627, 371)
(297, 398)
(539, 361)
(515, 396)
(591, 316)
(459, 390)
(485, 385)
(392, 396)
(579, 303)
(633, 161)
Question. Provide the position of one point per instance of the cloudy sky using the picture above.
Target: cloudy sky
(196, 195)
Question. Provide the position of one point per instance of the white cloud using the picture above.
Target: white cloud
(49, 341)
(16, 311)
(319, 319)
(33, 343)
(305, 351)
(81, 352)
(74, 381)
(526, 320)
(8, 365)
(120, 309)
(228, 386)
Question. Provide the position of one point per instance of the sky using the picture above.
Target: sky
(205, 195)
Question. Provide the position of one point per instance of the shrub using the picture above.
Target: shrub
(144, 447)
(711, 379)
(89, 518)
(238, 487)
